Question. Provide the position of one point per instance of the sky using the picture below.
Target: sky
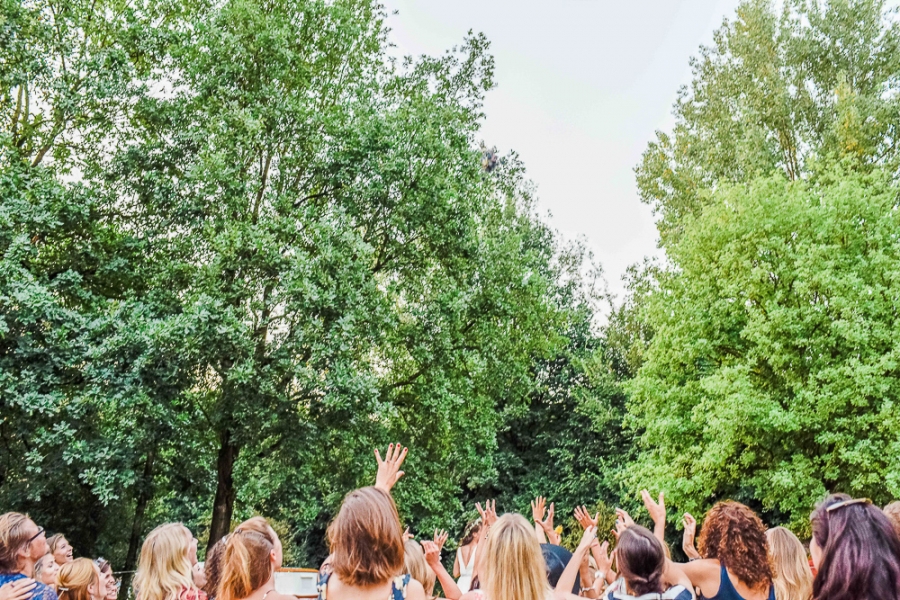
(582, 85)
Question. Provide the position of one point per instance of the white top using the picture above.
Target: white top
(465, 570)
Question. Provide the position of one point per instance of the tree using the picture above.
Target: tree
(778, 92)
(772, 375)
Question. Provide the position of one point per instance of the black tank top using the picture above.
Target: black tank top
(727, 591)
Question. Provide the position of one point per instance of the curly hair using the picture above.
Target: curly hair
(736, 537)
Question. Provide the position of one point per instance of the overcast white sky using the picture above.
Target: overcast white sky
(581, 87)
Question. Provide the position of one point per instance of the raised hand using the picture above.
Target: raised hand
(587, 539)
(687, 541)
(488, 513)
(657, 510)
(432, 553)
(407, 535)
(389, 469)
(623, 522)
(440, 538)
(547, 524)
(584, 517)
(538, 508)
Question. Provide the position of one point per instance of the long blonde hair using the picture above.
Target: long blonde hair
(164, 569)
(793, 578)
(76, 577)
(512, 565)
(418, 569)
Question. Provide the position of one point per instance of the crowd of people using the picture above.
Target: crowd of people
(853, 554)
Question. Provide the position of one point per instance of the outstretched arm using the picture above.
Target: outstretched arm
(657, 512)
(570, 574)
(433, 558)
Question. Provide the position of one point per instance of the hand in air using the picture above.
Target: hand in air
(389, 469)
(657, 510)
(538, 508)
(623, 522)
(584, 517)
(432, 553)
(407, 535)
(488, 513)
(547, 524)
(440, 538)
(587, 539)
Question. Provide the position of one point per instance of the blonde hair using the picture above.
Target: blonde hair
(54, 540)
(512, 564)
(418, 569)
(76, 577)
(892, 511)
(164, 569)
(793, 578)
(12, 537)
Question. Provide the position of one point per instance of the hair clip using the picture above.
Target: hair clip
(844, 503)
(62, 589)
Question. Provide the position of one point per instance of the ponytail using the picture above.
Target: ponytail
(245, 564)
(642, 560)
(76, 577)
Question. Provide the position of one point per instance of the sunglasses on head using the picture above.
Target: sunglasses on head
(843, 503)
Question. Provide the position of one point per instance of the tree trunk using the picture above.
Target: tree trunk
(137, 525)
(223, 507)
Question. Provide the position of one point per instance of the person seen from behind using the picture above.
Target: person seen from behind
(415, 565)
(464, 564)
(512, 565)
(855, 550)
(793, 577)
(248, 566)
(164, 567)
(81, 580)
(366, 542)
(22, 544)
(736, 563)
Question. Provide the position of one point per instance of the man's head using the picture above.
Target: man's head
(22, 543)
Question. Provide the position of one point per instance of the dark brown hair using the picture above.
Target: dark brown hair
(470, 532)
(860, 552)
(736, 537)
(213, 567)
(366, 538)
(246, 564)
(642, 560)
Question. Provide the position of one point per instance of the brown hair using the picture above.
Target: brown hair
(736, 537)
(366, 538)
(892, 512)
(245, 565)
(860, 551)
(414, 563)
(259, 525)
(13, 536)
(642, 560)
(213, 567)
(76, 577)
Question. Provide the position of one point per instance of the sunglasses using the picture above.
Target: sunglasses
(39, 533)
(844, 503)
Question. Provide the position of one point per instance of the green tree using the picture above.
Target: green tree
(775, 91)
(772, 375)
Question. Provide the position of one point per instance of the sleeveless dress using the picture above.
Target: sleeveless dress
(465, 570)
(727, 591)
(398, 587)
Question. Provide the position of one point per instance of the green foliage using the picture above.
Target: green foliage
(775, 92)
(241, 247)
(772, 375)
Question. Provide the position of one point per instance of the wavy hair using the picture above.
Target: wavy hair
(642, 560)
(793, 577)
(470, 532)
(76, 577)
(512, 565)
(736, 537)
(860, 552)
(164, 569)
